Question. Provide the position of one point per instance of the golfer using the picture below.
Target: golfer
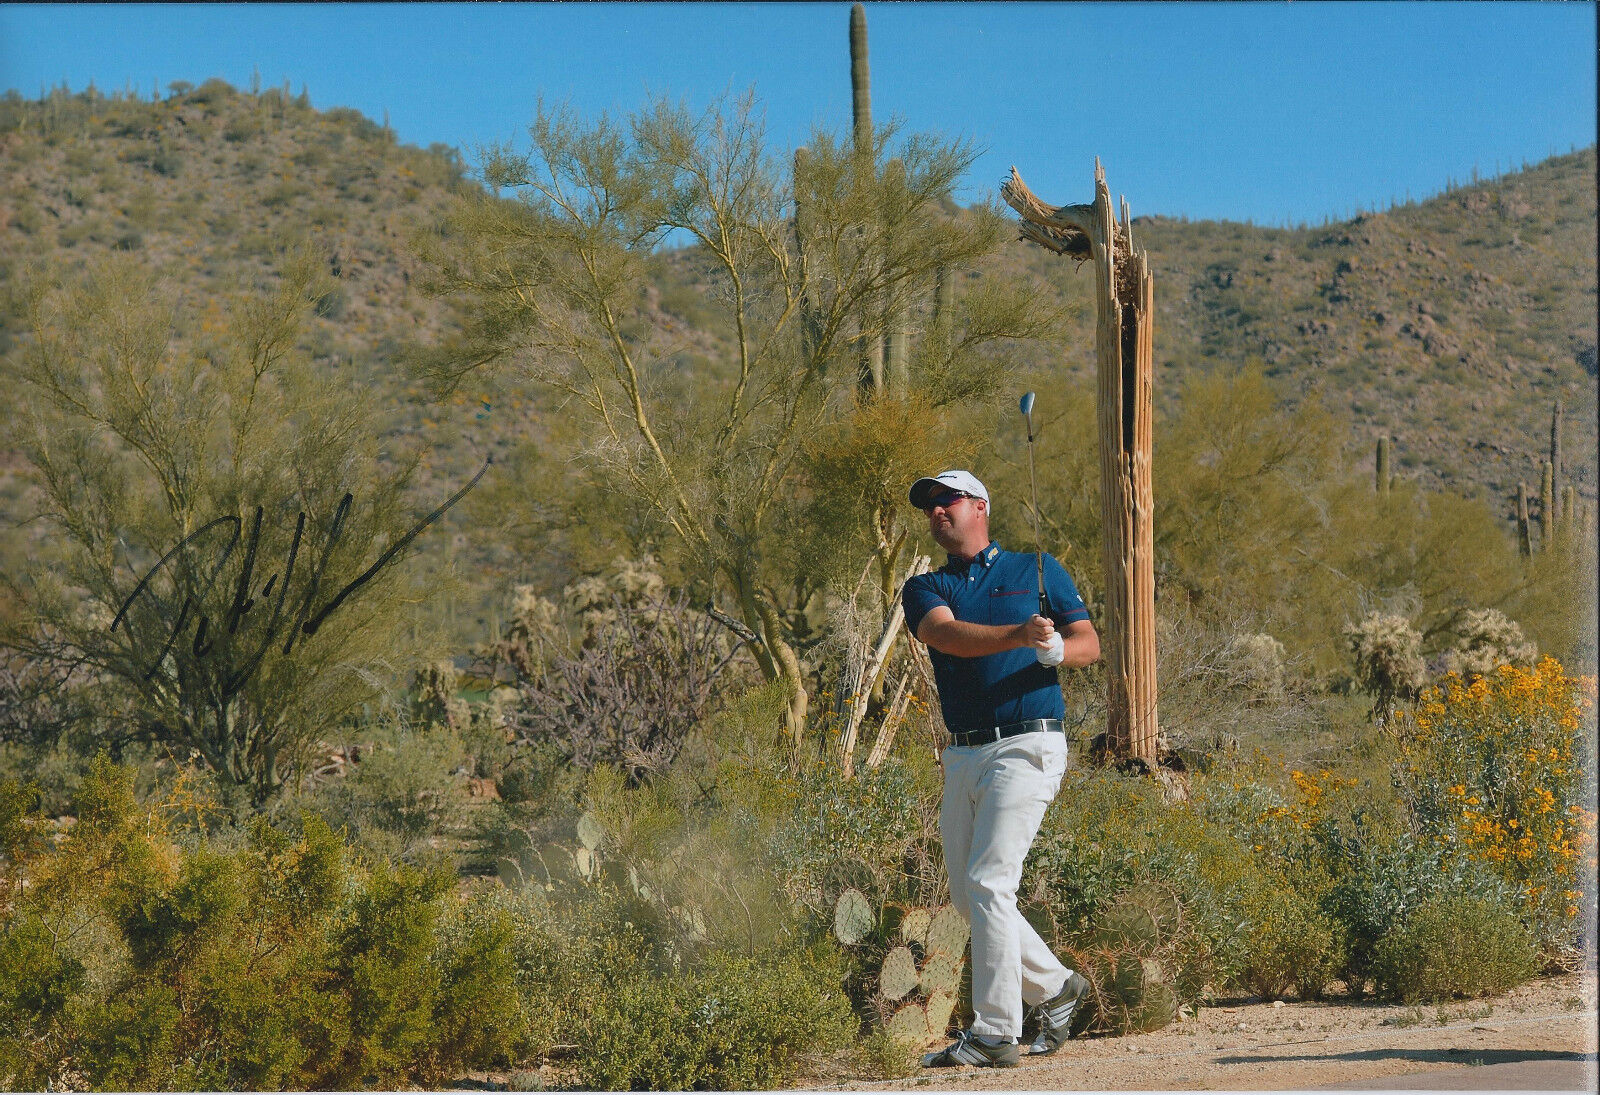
(994, 660)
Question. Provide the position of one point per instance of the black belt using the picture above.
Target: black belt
(994, 733)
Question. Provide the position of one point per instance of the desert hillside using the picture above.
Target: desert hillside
(1451, 324)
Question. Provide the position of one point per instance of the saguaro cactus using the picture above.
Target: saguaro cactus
(1524, 536)
(871, 364)
(860, 79)
(1555, 460)
(1547, 505)
(1381, 468)
(1124, 353)
(810, 335)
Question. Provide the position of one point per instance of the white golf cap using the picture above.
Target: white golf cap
(964, 481)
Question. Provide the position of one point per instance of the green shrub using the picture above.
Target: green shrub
(242, 127)
(213, 92)
(876, 832)
(166, 161)
(141, 955)
(281, 194)
(1289, 942)
(732, 1023)
(382, 963)
(331, 304)
(127, 1042)
(1456, 945)
(479, 1015)
(1107, 832)
(1384, 888)
(403, 791)
(164, 924)
(37, 981)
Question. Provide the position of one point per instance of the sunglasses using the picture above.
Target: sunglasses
(945, 500)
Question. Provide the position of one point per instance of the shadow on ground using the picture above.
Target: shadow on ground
(1451, 1056)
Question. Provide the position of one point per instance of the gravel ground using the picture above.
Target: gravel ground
(1539, 1036)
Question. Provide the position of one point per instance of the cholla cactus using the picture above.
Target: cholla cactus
(1387, 652)
(594, 600)
(535, 624)
(1489, 640)
(436, 702)
(1258, 664)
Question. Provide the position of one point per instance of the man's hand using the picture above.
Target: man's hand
(1054, 652)
(1040, 633)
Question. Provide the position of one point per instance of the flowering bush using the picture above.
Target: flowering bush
(1495, 768)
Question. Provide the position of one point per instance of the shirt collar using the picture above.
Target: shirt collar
(985, 558)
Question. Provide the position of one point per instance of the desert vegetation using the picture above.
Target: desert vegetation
(559, 788)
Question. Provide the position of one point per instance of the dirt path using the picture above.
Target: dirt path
(1540, 1036)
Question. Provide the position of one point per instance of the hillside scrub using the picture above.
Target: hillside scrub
(209, 510)
(799, 267)
(1500, 269)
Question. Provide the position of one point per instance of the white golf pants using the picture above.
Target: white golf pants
(995, 797)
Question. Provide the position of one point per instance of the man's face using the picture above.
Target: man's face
(956, 520)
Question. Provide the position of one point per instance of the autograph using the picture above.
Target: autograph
(306, 620)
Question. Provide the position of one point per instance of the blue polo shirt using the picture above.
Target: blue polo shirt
(998, 587)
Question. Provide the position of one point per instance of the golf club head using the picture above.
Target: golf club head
(1027, 404)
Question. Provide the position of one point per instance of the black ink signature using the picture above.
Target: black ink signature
(306, 621)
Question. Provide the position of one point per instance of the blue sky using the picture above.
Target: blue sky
(1271, 112)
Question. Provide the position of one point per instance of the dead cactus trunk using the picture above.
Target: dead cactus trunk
(1124, 352)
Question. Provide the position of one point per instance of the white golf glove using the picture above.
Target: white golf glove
(1056, 654)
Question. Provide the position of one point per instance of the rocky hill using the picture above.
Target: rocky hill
(1452, 324)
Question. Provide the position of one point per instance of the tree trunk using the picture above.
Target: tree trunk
(774, 656)
(1124, 352)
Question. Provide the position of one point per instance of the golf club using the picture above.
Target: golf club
(1033, 487)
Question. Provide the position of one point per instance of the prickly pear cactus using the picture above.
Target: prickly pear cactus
(1139, 998)
(897, 977)
(853, 918)
(1144, 917)
(524, 859)
(914, 926)
(947, 933)
(909, 963)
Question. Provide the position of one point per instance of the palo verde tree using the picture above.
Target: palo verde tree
(555, 281)
(211, 505)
